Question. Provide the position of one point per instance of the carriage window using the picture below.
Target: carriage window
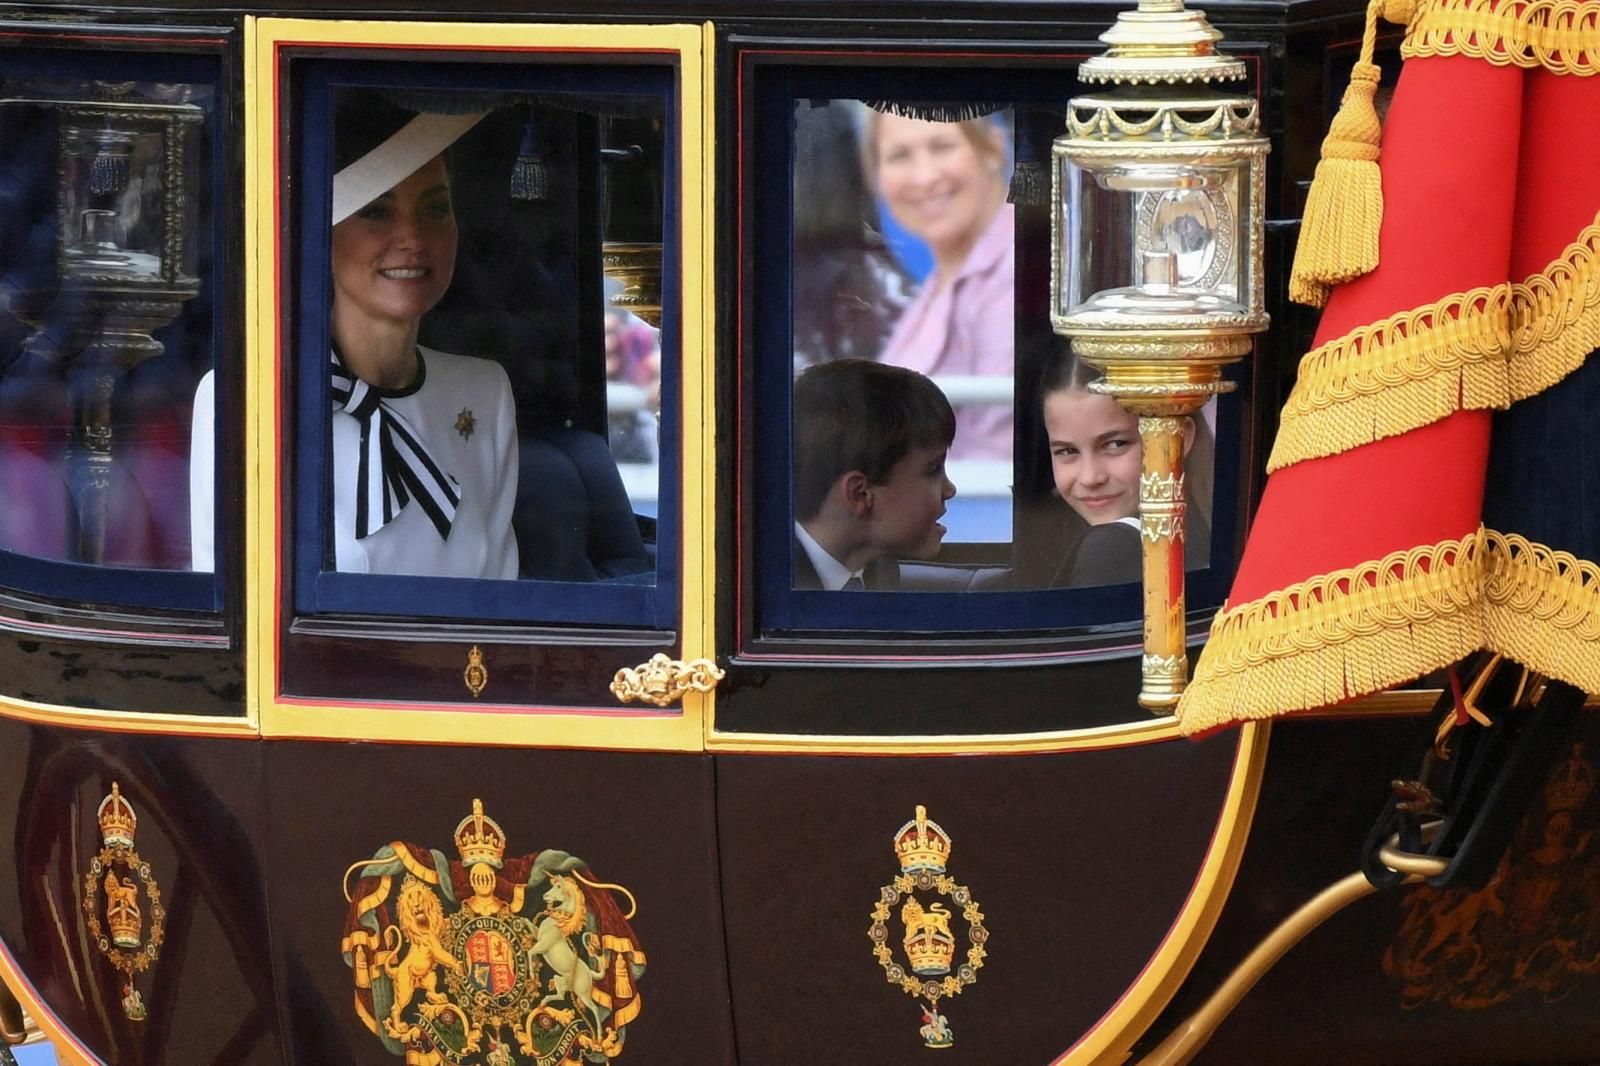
(941, 439)
(488, 349)
(107, 331)
(913, 430)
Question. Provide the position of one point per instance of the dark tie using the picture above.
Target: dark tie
(854, 584)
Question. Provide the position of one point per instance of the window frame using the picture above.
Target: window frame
(321, 591)
(831, 685)
(118, 665)
(183, 596)
(782, 617)
(339, 675)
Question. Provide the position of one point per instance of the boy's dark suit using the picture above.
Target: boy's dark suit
(882, 574)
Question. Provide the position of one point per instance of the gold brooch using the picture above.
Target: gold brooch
(465, 423)
(928, 941)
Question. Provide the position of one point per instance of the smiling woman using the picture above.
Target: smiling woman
(424, 442)
(944, 183)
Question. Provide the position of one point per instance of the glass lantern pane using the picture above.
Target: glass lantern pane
(1155, 239)
(1238, 189)
(1099, 223)
(113, 198)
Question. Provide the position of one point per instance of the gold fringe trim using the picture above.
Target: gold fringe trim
(1562, 36)
(1338, 635)
(1407, 371)
(1542, 608)
(1555, 316)
(1357, 631)
(1481, 349)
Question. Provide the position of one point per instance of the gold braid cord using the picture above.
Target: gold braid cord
(1562, 36)
(1476, 350)
(1354, 632)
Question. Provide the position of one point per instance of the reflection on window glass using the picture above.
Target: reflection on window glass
(633, 401)
(494, 335)
(987, 464)
(107, 326)
(904, 254)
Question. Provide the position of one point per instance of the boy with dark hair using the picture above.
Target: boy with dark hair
(869, 480)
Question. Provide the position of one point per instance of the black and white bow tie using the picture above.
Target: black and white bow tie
(393, 466)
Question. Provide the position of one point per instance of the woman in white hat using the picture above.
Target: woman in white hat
(424, 443)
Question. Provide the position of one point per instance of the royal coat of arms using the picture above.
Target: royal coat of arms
(489, 960)
(928, 967)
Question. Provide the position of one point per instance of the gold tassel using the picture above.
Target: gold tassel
(1344, 206)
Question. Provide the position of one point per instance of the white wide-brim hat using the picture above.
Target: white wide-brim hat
(395, 159)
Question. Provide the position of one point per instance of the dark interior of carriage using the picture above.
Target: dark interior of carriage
(567, 165)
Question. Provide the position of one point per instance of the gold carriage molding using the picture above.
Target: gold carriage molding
(118, 869)
(662, 680)
(448, 966)
(928, 942)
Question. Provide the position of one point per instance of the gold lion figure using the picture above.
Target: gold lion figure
(122, 911)
(936, 919)
(421, 918)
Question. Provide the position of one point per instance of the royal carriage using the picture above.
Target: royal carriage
(649, 801)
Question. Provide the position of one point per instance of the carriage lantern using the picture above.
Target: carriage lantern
(1156, 242)
(126, 215)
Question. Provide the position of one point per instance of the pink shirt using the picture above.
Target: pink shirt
(967, 327)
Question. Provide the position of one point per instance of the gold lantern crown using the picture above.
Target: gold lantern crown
(922, 844)
(479, 838)
(117, 820)
(1161, 42)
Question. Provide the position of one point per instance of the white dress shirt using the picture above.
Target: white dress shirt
(830, 572)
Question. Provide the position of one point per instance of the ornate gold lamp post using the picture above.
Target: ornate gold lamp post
(1156, 236)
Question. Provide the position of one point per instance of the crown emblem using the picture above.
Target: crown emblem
(929, 943)
(479, 838)
(117, 820)
(117, 927)
(933, 910)
(1569, 787)
(922, 844)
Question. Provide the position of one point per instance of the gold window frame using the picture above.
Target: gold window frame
(268, 43)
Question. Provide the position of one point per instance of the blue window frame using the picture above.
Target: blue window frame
(620, 87)
(143, 488)
(970, 85)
